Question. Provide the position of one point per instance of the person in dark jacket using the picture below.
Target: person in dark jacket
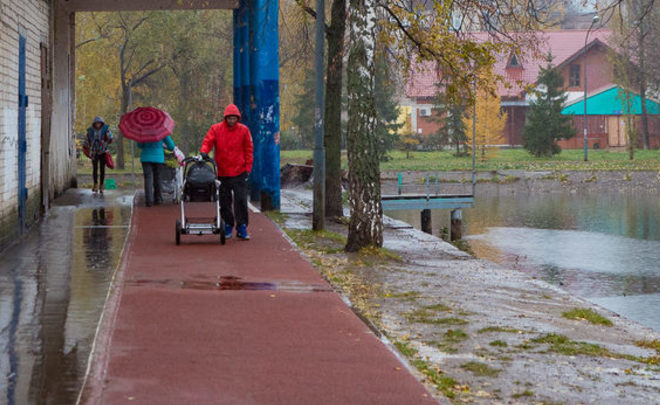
(233, 155)
(97, 141)
(152, 157)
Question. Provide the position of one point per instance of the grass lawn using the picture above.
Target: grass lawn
(506, 159)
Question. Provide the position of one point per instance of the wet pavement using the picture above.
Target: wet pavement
(240, 323)
(53, 285)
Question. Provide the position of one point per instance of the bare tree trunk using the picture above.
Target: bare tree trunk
(642, 85)
(119, 139)
(332, 136)
(366, 224)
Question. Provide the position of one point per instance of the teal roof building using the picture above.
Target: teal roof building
(609, 102)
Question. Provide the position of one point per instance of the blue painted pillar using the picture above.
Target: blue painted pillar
(256, 92)
(242, 60)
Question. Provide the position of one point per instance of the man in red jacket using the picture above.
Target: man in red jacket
(233, 155)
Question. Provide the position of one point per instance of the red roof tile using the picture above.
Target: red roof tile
(563, 44)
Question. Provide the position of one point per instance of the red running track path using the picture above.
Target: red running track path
(244, 323)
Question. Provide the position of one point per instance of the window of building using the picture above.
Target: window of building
(513, 61)
(574, 76)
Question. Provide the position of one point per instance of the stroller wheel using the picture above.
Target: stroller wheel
(177, 228)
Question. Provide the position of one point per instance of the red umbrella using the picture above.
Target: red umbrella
(146, 124)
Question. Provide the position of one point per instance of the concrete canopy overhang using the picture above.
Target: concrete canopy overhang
(256, 72)
(139, 5)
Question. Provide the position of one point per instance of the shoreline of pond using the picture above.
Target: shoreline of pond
(527, 181)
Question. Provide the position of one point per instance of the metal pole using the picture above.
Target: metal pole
(318, 220)
(474, 136)
(584, 123)
(584, 55)
(130, 108)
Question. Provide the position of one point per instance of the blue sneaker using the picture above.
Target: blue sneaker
(241, 232)
(228, 231)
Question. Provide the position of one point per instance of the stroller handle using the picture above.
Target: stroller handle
(198, 158)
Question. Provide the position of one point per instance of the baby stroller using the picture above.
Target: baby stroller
(200, 184)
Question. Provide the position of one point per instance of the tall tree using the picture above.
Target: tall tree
(199, 82)
(640, 8)
(179, 48)
(296, 58)
(490, 122)
(387, 108)
(636, 26)
(333, 106)
(365, 227)
(449, 113)
(304, 111)
(97, 73)
(545, 123)
(626, 71)
(136, 64)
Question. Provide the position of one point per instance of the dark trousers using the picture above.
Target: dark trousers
(238, 186)
(152, 182)
(98, 165)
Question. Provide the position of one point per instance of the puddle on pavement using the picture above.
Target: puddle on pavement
(53, 286)
(230, 283)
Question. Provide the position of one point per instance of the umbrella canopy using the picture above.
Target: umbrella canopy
(146, 124)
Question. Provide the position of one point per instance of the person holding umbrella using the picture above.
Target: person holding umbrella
(96, 144)
(153, 158)
(150, 128)
(233, 155)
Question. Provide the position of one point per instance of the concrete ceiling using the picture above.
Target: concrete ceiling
(138, 5)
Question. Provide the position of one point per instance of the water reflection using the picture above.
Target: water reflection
(52, 289)
(601, 246)
(97, 239)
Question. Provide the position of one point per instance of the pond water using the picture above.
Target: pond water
(53, 285)
(603, 247)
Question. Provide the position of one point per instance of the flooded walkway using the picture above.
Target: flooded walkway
(53, 285)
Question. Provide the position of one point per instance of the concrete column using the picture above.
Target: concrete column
(264, 102)
(62, 144)
(242, 60)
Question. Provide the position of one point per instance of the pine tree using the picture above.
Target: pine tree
(490, 122)
(450, 112)
(545, 123)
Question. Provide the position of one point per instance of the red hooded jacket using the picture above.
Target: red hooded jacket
(233, 145)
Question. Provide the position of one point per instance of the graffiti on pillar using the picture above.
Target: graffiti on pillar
(256, 92)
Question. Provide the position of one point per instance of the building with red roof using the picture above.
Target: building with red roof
(520, 71)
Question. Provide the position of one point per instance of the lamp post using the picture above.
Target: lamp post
(318, 217)
(584, 53)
